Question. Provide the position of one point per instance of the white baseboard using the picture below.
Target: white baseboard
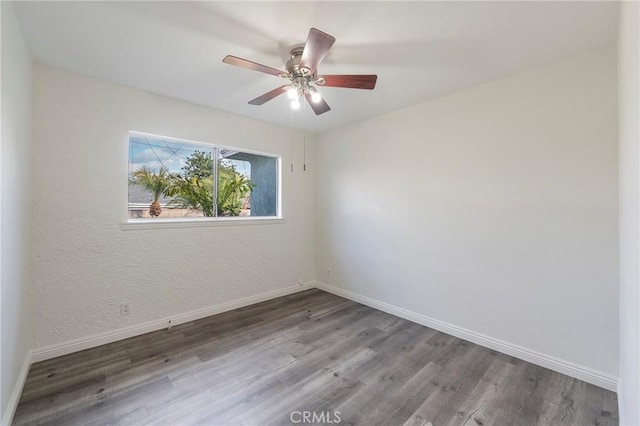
(81, 344)
(7, 418)
(571, 369)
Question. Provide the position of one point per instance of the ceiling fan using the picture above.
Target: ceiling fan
(301, 71)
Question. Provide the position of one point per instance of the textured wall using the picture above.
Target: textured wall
(493, 209)
(16, 198)
(85, 265)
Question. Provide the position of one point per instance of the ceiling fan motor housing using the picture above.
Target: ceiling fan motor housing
(293, 65)
(301, 77)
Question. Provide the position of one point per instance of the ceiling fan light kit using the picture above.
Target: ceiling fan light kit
(301, 71)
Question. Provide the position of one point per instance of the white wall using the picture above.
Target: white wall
(15, 211)
(493, 209)
(85, 264)
(629, 181)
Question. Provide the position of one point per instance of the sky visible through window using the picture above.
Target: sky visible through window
(156, 152)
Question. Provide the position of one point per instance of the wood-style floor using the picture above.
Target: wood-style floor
(308, 352)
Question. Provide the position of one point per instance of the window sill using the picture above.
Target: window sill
(135, 224)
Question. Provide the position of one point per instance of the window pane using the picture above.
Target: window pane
(247, 184)
(173, 178)
(169, 178)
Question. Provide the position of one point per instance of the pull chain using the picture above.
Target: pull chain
(304, 142)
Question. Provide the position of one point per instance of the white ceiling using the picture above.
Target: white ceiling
(419, 50)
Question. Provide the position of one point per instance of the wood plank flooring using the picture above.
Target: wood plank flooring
(312, 352)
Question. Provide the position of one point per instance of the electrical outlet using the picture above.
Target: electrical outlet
(300, 283)
(125, 308)
(328, 273)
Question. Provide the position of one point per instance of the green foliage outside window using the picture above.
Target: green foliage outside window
(159, 184)
(193, 188)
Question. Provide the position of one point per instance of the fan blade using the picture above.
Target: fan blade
(316, 48)
(317, 107)
(239, 62)
(269, 95)
(367, 82)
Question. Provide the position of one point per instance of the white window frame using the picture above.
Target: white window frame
(196, 222)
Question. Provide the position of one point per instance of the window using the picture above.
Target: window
(172, 178)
